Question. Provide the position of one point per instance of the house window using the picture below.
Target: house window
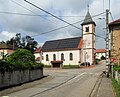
(47, 59)
(86, 29)
(71, 56)
(54, 57)
(42, 57)
(62, 57)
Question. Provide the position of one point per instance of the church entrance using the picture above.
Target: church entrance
(56, 64)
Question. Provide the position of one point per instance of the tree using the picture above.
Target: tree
(29, 43)
(21, 58)
(26, 42)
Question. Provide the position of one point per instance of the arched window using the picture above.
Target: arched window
(47, 58)
(54, 57)
(71, 56)
(62, 57)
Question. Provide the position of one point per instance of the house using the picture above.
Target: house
(72, 51)
(114, 28)
(100, 53)
(37, 54)
(5, 49)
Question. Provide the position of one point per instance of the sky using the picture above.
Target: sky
(31, 21)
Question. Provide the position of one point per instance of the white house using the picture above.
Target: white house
(37, 54)
(72, 51)
(100, 53)
(5, 49)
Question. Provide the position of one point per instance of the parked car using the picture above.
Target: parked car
(85, 64)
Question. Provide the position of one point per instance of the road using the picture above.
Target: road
(65, 83)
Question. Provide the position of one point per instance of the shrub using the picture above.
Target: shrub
(19, 60)
(70, 66)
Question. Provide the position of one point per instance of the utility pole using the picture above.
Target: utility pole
(107, 44)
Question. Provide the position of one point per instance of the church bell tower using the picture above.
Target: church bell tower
(88, 36)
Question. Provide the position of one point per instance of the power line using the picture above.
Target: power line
(32, 11)
(14, 13)
(111, 16)
(52, 14)
(67, 26)
(55, 17)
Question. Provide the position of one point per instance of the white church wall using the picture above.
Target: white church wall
(67, 61)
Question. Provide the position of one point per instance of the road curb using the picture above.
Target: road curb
(96, 86)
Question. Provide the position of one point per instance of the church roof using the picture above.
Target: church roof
(63, 44)
(88, 19)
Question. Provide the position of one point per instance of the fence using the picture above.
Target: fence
(18, 77)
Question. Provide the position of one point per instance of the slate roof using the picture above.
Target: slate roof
(6, 46)
(62, 44)
(88, 19)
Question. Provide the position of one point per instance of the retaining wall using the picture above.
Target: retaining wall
(19, 77)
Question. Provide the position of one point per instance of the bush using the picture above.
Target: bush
(97, 61)
(21, 59)
(103, 58)
(70, 66)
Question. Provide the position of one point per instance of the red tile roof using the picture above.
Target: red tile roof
(80, 44)
(115, 22)
(37, 59)
(37, 50)
(100, 51)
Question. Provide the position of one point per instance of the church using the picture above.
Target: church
(72, 51)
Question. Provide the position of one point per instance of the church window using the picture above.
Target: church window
(47, 59)
(86, 29)
(54, 57)
(62, 57)
(71, 56)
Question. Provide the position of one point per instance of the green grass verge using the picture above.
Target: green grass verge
(70, 66)
(47, 66)
(116, 67)
(116, 87)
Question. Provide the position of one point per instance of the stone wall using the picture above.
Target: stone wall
(18, 77)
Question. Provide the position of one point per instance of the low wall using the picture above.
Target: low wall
(18, 77)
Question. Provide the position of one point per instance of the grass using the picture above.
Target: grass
(47, 66)
(70, 66)
(116, 87)
(116, 68)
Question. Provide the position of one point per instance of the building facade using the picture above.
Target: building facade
(5, 49)
(72, 51)
(114, 28)
(100, 53)
(62, 52)
(37, 54)
(88, 35)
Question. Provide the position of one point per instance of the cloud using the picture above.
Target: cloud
(5, 35)
(32, 25)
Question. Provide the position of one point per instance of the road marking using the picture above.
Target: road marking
(72, 80)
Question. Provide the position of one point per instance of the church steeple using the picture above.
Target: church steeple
(88, 19)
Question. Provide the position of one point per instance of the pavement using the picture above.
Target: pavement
(104, 88)
(63, 83)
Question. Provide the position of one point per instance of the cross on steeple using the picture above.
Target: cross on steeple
(88, 7)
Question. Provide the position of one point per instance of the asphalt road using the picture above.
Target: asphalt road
(64, 83)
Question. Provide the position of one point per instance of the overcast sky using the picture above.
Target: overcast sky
(69, 10)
